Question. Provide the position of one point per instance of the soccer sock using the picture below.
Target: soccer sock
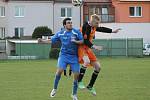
(93, 79)
(65, 74)
(82, 72)
(70, 72)
(75, 87)
(57, 78)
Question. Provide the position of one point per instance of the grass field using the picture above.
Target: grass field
(120, 79)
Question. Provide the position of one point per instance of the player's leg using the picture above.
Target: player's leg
(81, 75)
(97, 69)
(57, 77)
(56, 81)
(75, 86)
(84, 60)
(70, 71)
(96, 65)
(75, 69)
(61, 67)
(65, 73)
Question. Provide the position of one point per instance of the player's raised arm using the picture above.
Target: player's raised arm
(54, 39)
(107, 30)
(104, 29)
(44, 40)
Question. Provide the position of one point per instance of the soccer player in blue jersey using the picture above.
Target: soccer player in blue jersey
(69, 38)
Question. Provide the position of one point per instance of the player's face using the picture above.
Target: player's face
(95, 23)
(68, 25)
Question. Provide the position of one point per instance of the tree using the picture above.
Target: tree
(41, 31)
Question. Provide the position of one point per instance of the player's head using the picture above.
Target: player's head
(67, 23)
(95, 20)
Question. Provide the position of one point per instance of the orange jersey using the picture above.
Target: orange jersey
(88, 33)
(84, 50)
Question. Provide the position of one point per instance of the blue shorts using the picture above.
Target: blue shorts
(71, 60)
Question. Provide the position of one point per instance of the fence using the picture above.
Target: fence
(111, 47)
(120, 47)
(32, 51)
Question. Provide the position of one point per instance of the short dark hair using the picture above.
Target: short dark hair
(64, 21)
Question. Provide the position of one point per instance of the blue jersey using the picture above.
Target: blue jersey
(67, 46)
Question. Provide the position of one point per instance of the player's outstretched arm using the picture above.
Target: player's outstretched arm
(104, 29)
(117, 30)
(107, 30)
(44, 40)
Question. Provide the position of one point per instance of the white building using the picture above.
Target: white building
(21, 17)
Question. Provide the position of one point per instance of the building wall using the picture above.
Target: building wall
(36, 14)
(58, 19)
(122, 12)
(129, 30)
(3, 19)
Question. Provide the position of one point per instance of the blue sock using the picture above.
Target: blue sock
(57, 78)
(75, 87)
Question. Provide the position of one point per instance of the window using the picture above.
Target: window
(69, 13)
(91, 10)
(19, 11)
(2, 11)
(66, 12)
(2, 32)
(63, 12)
(19, 31)
(105, 16)
(97, 11)
(94, 10)
(135, 11)
(138, 11)
(104, 10)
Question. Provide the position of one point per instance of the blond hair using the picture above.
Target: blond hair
(95, 17)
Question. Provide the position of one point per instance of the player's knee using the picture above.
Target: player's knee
(76, 76)
(97, 67)
(82, 70)
(59, 71)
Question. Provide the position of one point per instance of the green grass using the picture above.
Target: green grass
(120, 79)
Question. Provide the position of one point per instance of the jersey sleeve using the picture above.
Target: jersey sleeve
(86, 30)
(104, 29)
(55, 38)
(80, 37)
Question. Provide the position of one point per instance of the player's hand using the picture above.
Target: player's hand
(99, 48)
(39, 40)
(73, 40)
(117, 30)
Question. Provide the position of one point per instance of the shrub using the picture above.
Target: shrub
(41, 31)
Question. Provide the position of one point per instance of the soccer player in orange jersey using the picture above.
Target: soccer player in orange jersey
(85, 53)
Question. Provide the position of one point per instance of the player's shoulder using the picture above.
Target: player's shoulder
(86, 23)
(75, 31)
(61, 31)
